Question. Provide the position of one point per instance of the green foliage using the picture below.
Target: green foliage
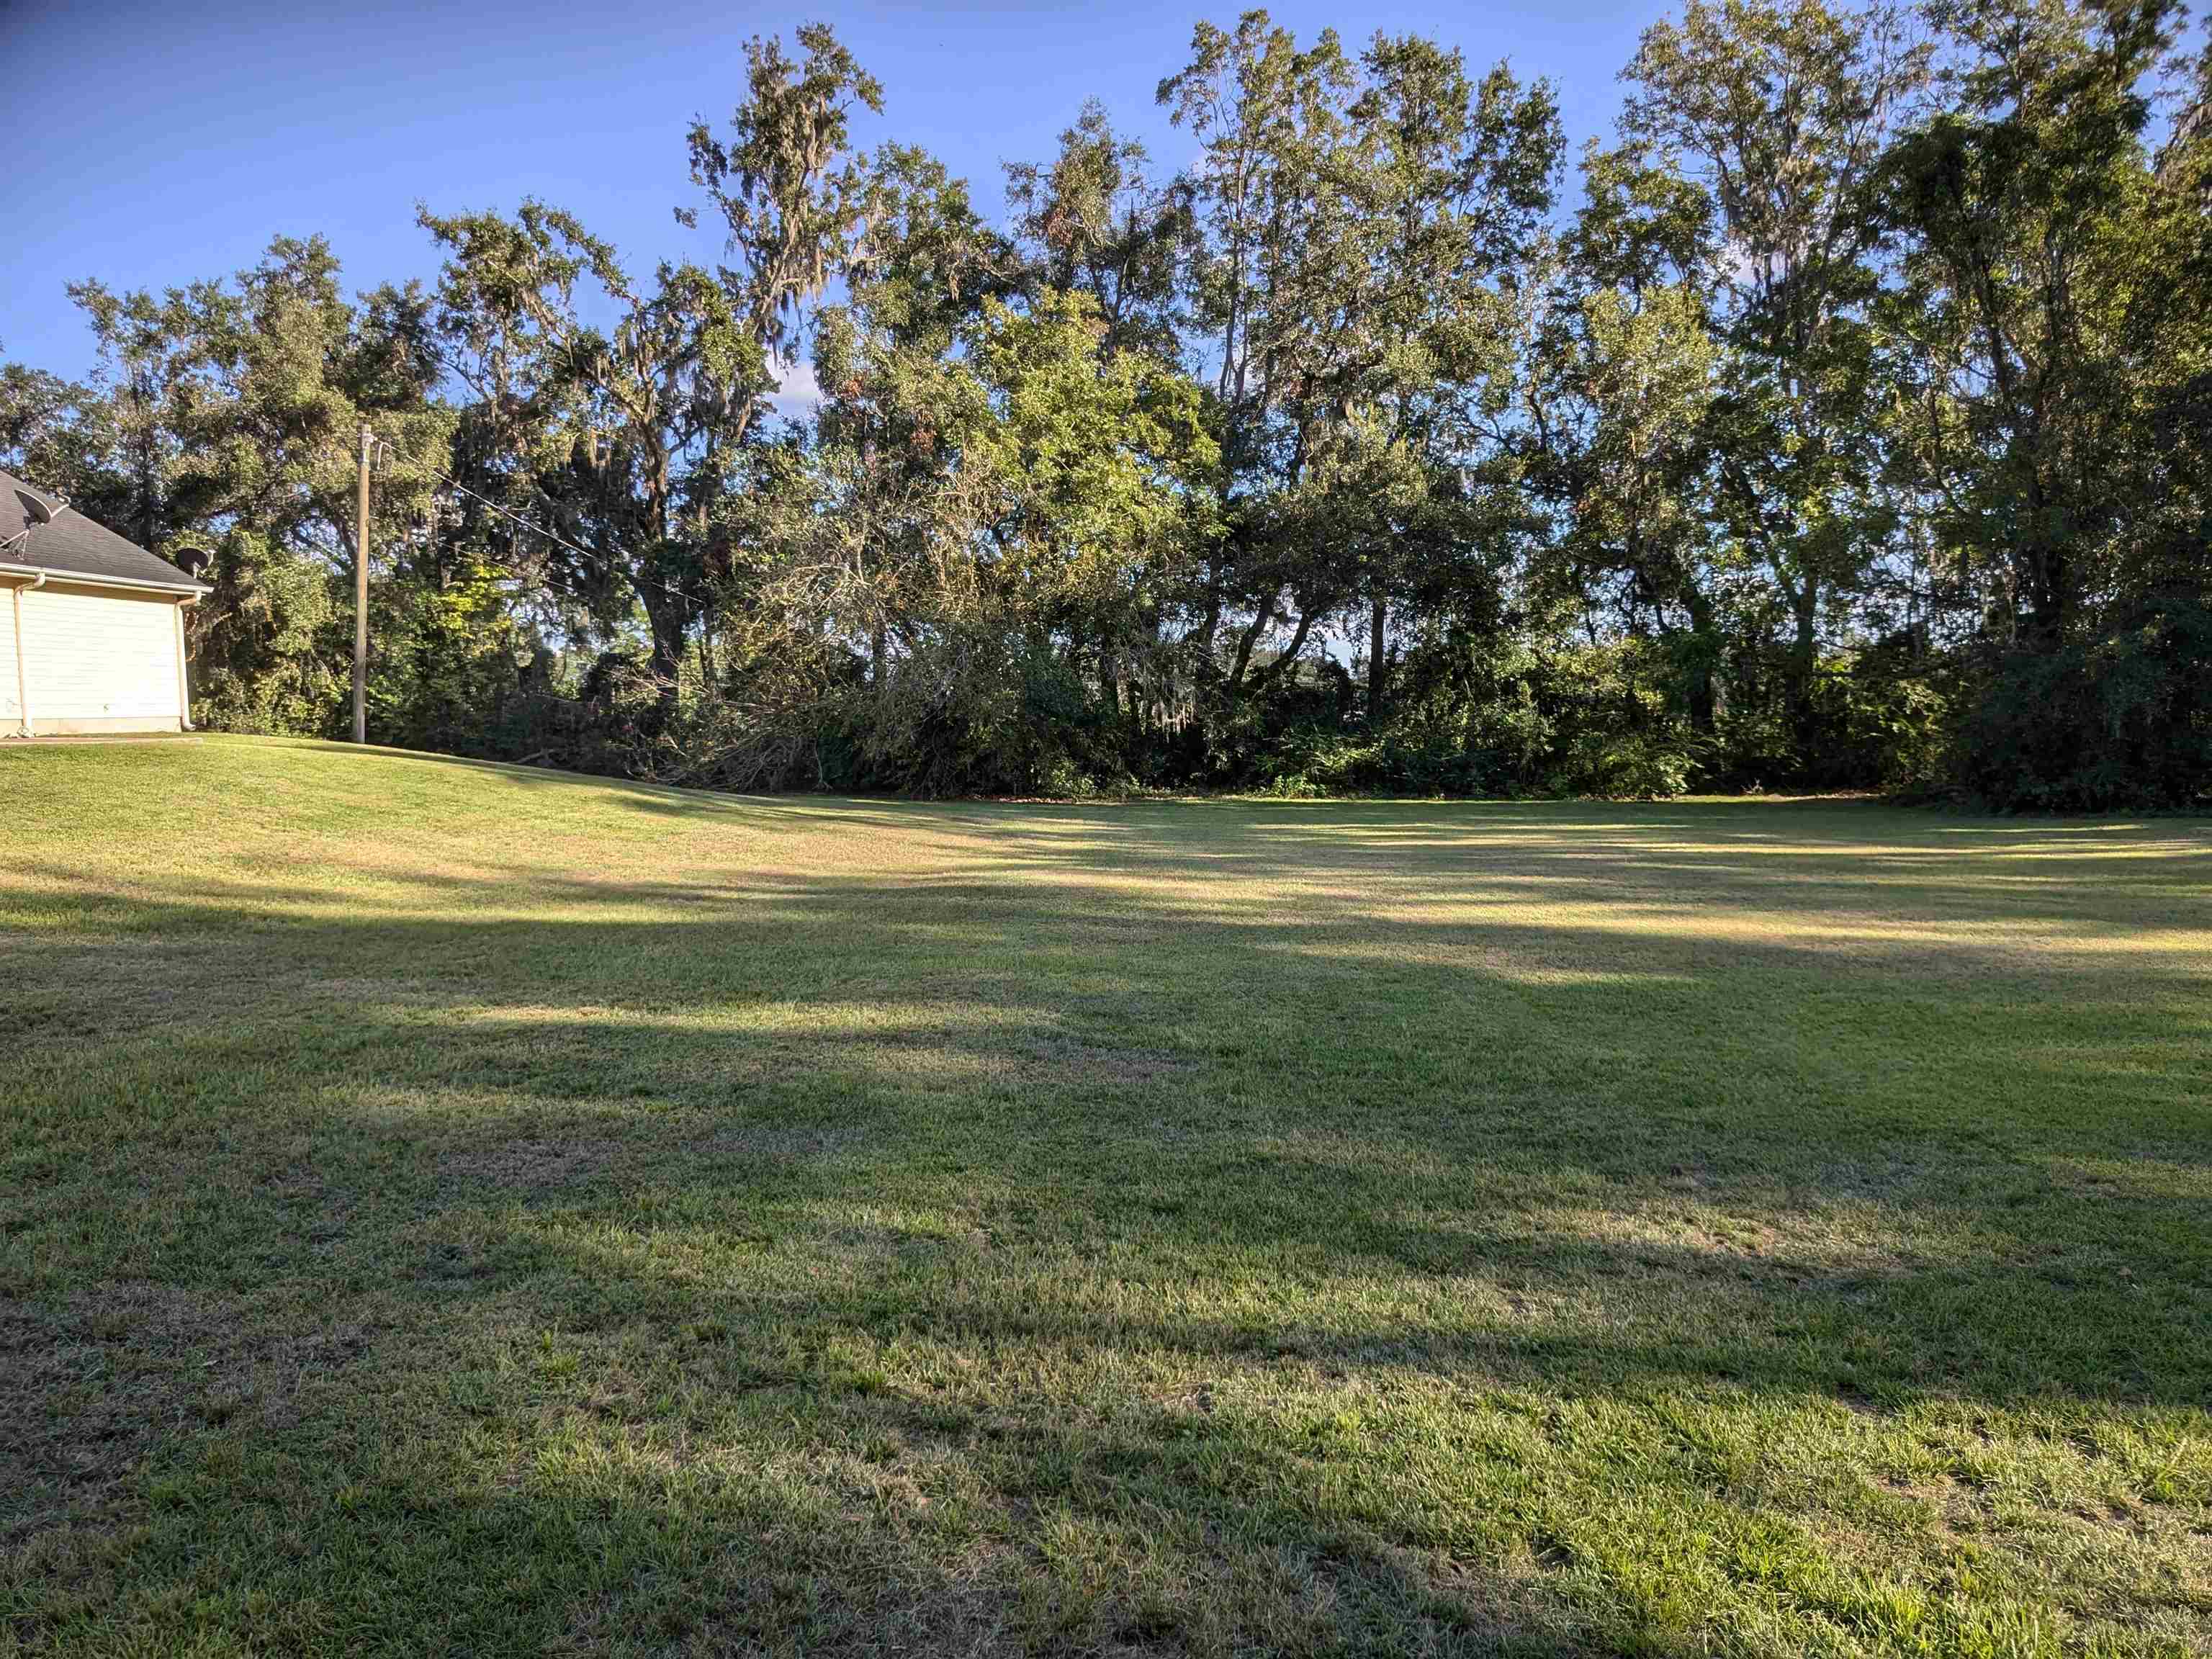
(453, 672)
(2116, 723)
(261, 641)
(1472, 720)
(1625, 766)
(1852, 434)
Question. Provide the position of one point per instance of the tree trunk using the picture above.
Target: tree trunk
(664, 612)
(1262, 619)
(1804, 662)
(1378, 665)
(1705, 644)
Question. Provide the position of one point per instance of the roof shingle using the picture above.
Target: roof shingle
(73, 545)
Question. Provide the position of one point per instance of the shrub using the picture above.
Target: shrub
(2124, 721)
(1625, 766)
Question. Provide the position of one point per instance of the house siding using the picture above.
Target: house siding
(97, 662)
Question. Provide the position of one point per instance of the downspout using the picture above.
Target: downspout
(183, 684)
(23, 667)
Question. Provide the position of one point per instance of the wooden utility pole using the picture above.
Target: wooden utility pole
(360, 596)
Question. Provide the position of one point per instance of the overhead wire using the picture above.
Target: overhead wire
(599, 559)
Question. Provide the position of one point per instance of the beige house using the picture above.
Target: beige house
(91, 627)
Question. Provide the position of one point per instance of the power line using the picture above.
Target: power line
(599, 559)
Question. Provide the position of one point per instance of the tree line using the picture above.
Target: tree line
(1846, 422)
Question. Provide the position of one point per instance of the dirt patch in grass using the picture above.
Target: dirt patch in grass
(90, 1388)
(1088, 1063)
(69, 1433)
(152, 984)
(758, 1143)
(530, 1166)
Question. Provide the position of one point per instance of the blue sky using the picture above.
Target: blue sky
(151, 144)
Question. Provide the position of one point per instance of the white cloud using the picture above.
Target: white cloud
(796, 394)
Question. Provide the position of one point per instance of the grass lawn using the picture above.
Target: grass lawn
(453, 1209)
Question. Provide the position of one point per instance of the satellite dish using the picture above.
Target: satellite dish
(192, 560)
(36, 510)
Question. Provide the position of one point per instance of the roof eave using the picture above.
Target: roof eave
(77, 578)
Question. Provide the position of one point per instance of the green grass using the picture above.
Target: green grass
(447, 1208)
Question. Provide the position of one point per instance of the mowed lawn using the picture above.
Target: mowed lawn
(455, 1209)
